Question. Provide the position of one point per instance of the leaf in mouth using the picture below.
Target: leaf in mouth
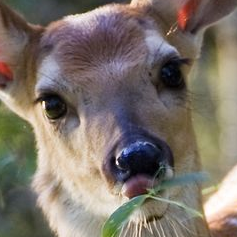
(115, 222)
(120, 217)
(191, 211)
(181, 181)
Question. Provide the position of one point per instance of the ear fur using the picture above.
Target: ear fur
(16, 37)
(14, 33)
(195, 15)
(191, 15)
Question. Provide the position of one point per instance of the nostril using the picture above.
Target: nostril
(122, 163)
(138, 158)
(120, 168)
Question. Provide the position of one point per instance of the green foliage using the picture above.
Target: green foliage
(18, 215)
(45, 11)
(17, 153)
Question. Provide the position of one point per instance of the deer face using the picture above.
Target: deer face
(106, 93)
(112, 99)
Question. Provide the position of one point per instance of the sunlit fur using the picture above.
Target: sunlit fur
(221, 208)
(105, 64)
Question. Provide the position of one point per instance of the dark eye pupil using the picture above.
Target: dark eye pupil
(54, 107)
(171, 75)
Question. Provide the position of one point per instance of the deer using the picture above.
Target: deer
(106, 94)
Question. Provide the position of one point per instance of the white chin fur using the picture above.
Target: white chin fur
(151, 209)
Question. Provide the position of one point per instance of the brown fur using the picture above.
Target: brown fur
(105, 65)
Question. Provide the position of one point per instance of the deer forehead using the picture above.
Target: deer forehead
(88, 45)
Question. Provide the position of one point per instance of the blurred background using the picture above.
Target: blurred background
(214, 95)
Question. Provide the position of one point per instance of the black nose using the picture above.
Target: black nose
(139, 158)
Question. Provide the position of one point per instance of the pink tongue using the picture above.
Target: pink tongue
(136, 186)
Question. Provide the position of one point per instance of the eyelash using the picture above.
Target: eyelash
(170, 73)
(180, 61)
(53, 106)
(43, 96)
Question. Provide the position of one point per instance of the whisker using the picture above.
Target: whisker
(133, 231)
(140, 229)
(184, 226)
(47, 76)
(121, 231)
(162, 230)
(136, 229)
(145, 222)
(156, 229)
(172, 29)
(172, 225)
(149, 228)
(127, 228)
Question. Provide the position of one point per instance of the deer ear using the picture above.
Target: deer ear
(15, 34)
(195, 15)
(18, 41)
(191, 15)
(13, 39)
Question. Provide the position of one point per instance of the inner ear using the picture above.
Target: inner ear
(6, 75)
(195, 15)
(5, 71)
(186, 12)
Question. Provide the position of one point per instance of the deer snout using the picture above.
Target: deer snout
(139, 164)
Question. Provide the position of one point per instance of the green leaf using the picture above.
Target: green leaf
(115, 222)
(181, 181)
(186, 208)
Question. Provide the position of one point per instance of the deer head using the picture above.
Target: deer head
(106, 94)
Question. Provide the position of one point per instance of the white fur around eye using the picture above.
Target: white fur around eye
(157, 46)
(47, 74)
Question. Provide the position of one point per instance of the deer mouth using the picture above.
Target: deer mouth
(138, 185)
(144, 184)
(151, 210)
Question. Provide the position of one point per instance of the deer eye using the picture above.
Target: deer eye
(53, 106)
(171, 74)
